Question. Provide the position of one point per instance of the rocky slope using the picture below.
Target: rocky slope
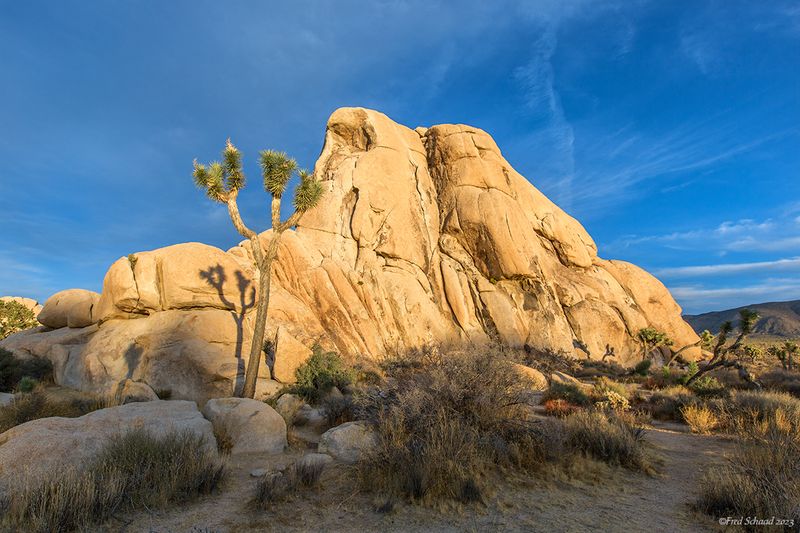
(423, 235)
(777, 319)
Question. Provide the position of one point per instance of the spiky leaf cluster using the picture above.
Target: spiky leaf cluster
(747, 319)
(220, 179)
(308, 193)
(276, 168)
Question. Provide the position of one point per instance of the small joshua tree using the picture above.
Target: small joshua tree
(721, 352)
(785, 354)
(222, 182)
(651, 339)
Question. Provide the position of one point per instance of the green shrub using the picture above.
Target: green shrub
(26, 384)
(322, 372)
(642, 368)
(707, 386)
(12, 370)
(15, 317)
(569, 392)
(133, 471)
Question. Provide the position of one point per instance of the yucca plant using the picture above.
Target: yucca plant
(222, 181)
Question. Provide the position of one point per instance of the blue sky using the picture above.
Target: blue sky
(671, 130)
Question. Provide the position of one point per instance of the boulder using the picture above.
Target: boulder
(290, 354)
(565, 379)
(183, 276)
(348, 442)
(288, 405)
(536, 378)
(251, 425)
(129, 391)
(38, 448)
(267, 388)
(72, 308)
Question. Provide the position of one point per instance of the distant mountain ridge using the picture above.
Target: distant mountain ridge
(778, 319)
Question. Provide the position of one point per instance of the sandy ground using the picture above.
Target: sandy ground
(608, 499)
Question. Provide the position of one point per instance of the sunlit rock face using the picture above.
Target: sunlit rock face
(423, 236)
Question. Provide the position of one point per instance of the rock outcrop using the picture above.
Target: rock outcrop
(423, 236)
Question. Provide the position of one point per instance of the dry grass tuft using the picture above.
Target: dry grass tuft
(761, 479)
(41, 404)
(135, 470)
(607, 438)
(276, 487)
(700, 418)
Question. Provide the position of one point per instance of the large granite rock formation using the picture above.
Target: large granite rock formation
(423, 236)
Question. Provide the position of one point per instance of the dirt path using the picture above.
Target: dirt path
(608, 499)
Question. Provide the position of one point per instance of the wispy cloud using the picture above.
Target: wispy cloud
(696, 298)
(776, 235)
(730, 268)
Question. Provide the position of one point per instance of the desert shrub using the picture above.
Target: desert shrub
(602, 385)
(748, 411)
(642, 368)
(692, 369)
(559, 408)
(26, 384)
(569, 392)
(13, 370)
(666, 404)
(700, 418)
(612, 401)
(39, 404)
(782, 381)
(15, 317)
(760, 479)
(707, 386)
(134, 470)
(445, 421)
(276, 487)
(323, 371)
(606, 438)
(338, 409)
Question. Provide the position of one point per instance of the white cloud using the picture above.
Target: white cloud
(745, 235)
(695, 298)
(731, 268)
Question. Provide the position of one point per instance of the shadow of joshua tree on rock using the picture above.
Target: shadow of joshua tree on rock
(216, 277)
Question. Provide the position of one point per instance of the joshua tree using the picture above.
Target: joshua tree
(222, 182)
(720, 352)
(651, 339)
(785, 354)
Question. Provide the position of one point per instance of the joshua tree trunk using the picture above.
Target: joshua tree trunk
(265, 269)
